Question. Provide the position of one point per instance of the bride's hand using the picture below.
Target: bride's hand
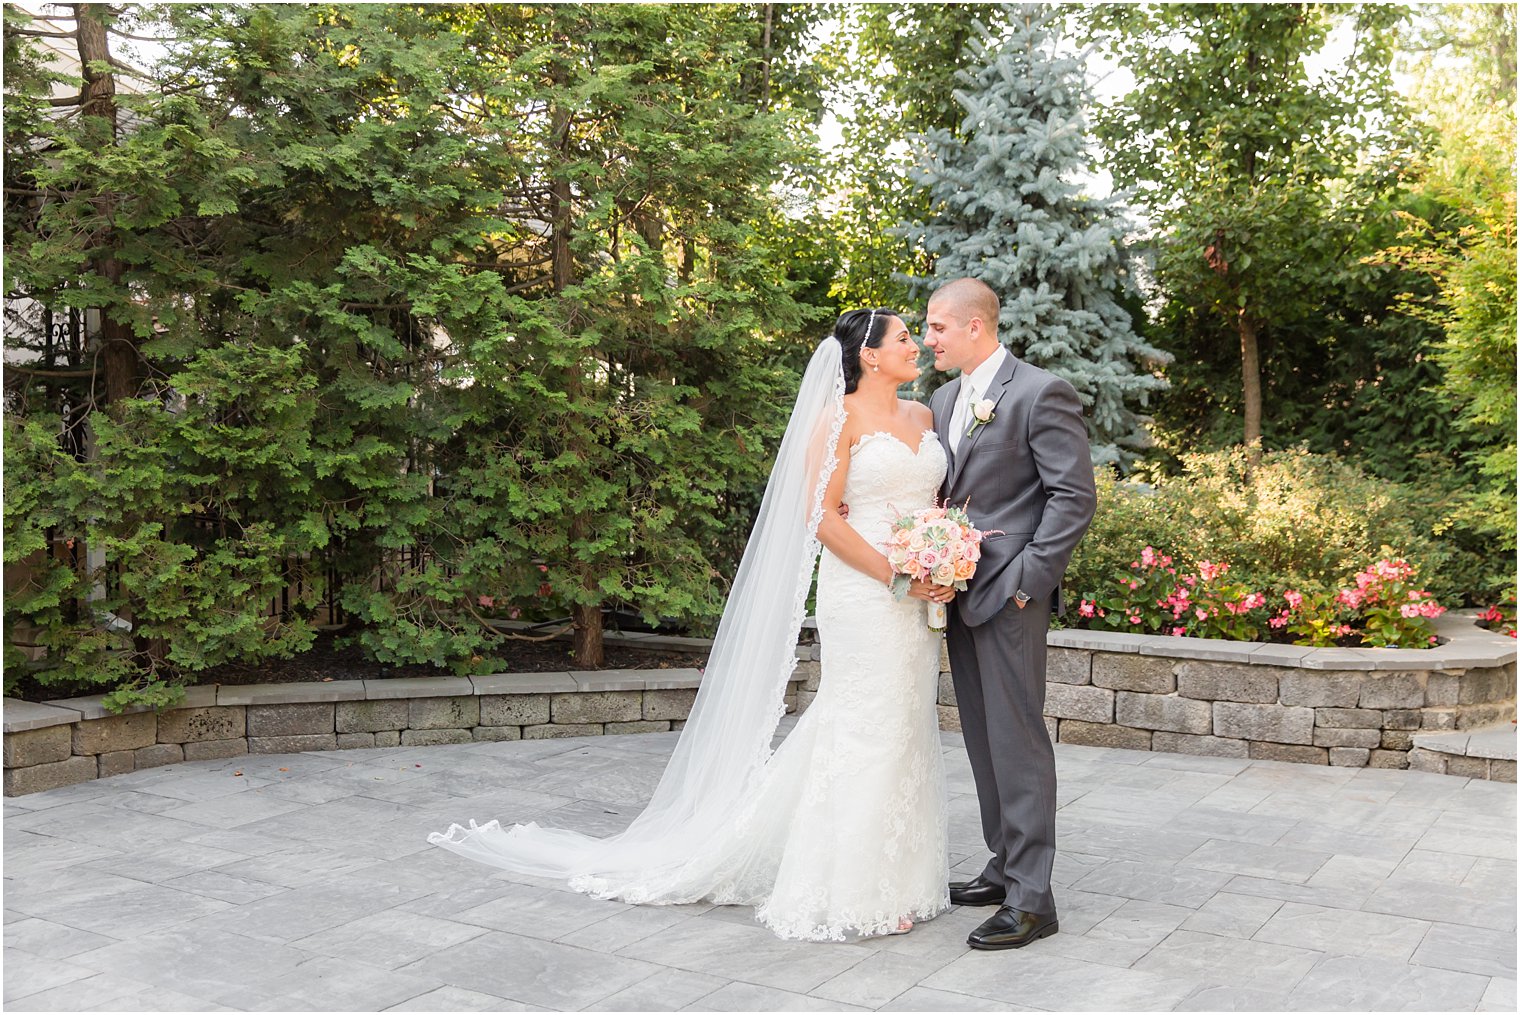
(930, 592)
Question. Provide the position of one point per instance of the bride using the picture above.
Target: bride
(842, 830)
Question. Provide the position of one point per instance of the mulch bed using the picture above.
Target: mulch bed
(325, 660)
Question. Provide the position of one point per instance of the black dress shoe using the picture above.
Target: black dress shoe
(1012, 928)
(977, 892)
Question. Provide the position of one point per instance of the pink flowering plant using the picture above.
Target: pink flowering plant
(938, 545)
(1499, 617)
(1383, 605)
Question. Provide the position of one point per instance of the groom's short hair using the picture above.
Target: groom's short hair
(966, 298)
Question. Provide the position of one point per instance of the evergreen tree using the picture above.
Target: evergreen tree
(1006, 208)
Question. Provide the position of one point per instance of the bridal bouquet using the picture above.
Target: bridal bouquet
(938, 545)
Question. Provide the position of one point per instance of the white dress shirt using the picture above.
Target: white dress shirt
(973, 387)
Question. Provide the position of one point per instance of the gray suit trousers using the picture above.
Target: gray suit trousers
(999, 673)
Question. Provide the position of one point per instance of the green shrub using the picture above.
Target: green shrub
(1302, 521)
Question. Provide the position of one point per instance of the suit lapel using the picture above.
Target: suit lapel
(952, 390)
(995, 391)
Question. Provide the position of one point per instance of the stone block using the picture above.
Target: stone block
(1077, 701)
(1226, 682)
(1486, 684)
(1396, 740)
(1438, 719)
(557, 731)
(947, 689)
(190, 725)
(1501, 770)
(38, 747)
(1388, 759)
(387, 738)
(1125, 672)
(1468, 768)
(804, 699)
(118, 733)
(638, 726)
(351, 741)
(1068, 666)
(518, 709)
(1421, 760)
(155, 755)
(788, 702)
(30, 715)
(1320, 688)
(1349, 718)
(1163, 712)
(1349, 757)
(292, 744)
(52, 775)
(1399, 689)
(810, 672)
(1401, 719)
(596, 707)
(1324, 737)
(1212, 747)
(1472, 717)
(1261, 750)
(206, 750)
(461, 712)
(371, 716)
(1276, 723)
(950, 718)
(1442, 688)
(495, 734)
(1052, 727)
(291, 720)
(677, 725)
(435, 737)
(1091, 734)
(117, 763)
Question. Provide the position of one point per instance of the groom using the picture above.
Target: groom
(1020, 462)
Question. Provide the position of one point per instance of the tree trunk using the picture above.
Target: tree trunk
(587, 640)
(1250, 378)
(118, 351)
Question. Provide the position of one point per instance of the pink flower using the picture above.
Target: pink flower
(544, 568)
(1210, 571)
(1409, 610)
(1178, 632)
(1295, 599)
(1434, 639)
(1202, 613)
(1086, 609)
(514, 613)
(486, 601)
(1148, 556)
(1134, 619)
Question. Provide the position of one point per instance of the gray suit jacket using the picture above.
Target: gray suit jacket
(1028, 474)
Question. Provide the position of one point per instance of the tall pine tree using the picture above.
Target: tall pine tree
(1006, 207)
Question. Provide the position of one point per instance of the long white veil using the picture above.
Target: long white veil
(726, 740)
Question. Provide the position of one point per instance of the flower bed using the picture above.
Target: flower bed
(1381, 606)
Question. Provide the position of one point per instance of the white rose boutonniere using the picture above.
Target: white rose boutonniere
(981, 414)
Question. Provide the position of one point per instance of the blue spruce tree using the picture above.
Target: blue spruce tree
(1006, 207)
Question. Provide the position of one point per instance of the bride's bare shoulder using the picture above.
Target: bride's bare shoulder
(918, 412)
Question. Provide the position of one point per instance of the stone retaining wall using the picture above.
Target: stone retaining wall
(1347, 707)
(74, 740)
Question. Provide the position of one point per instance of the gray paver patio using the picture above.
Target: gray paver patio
(305, 882)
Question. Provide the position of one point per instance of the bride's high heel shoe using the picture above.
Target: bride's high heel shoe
(903, 926)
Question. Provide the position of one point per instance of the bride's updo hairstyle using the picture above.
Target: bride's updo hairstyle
(851, 331)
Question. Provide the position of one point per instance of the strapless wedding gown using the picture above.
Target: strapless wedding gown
(846, 832)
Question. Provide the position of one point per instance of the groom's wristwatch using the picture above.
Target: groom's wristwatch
(1021, 597)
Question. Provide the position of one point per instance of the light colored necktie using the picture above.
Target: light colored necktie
(961, 418)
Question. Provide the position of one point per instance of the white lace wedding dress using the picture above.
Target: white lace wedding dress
(846, 832)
